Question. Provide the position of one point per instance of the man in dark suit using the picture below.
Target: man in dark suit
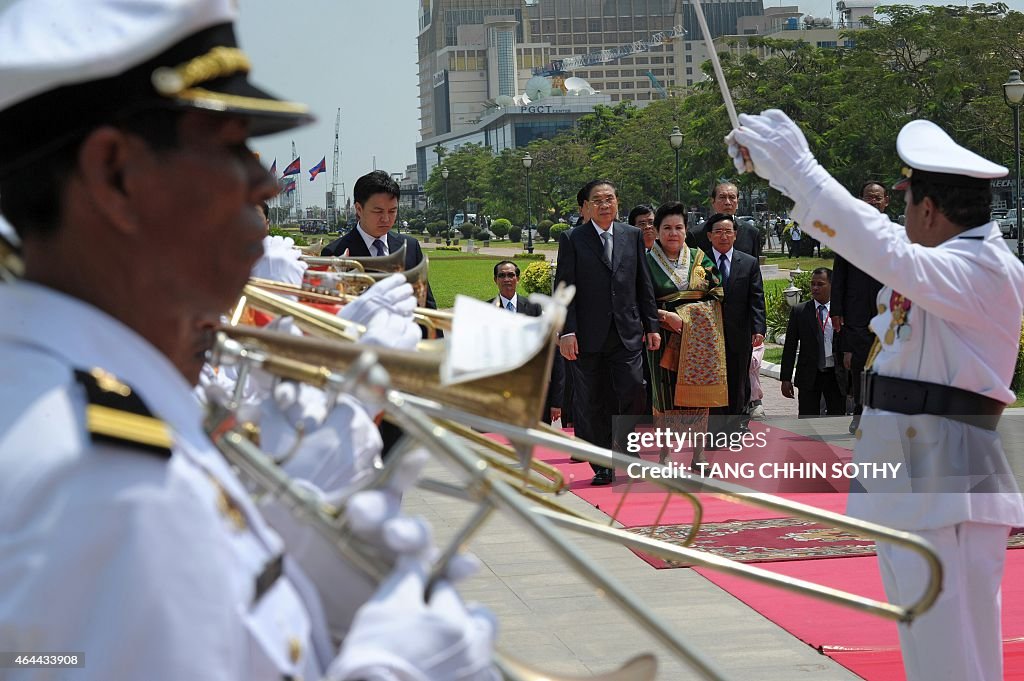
(725, 199)
(810, 328)
(506, 276)
(743, 314)
(853, 305)
(611, 318)
(376, 200)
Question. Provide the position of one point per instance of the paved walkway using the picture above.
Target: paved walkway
(552, 617)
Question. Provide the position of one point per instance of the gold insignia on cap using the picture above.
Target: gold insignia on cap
(220, 62)
(906, 172)
(219, 101)
(818, 224)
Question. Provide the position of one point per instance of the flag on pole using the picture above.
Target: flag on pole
(294, 168)
(318, 168)
(273, 169)
(288, 187)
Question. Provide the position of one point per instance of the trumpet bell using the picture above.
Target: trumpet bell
(518, 396)
(355, 283)
(392, 262)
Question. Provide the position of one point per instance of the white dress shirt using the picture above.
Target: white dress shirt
(827, 331)
(368, 240)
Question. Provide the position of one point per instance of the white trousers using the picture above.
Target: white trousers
(960, 637)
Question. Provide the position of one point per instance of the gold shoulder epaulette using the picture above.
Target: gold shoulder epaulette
(114, 413)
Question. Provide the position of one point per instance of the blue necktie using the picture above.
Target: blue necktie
(510, 307)
(723, 267)
(379, 245)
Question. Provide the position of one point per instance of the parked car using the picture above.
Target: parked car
(1008, 224)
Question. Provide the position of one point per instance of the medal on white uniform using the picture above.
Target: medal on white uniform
(899, 307)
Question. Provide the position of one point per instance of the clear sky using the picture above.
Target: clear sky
(353, 54)
(360, 56)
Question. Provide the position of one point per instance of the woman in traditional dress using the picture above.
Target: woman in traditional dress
(688, 372)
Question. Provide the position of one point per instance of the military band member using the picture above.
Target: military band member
(124, 535)
(948, 324)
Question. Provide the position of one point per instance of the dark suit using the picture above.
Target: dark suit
(743, 315)
(854, 295)
(353, 241)
(813, 379)
(748, 240)
(612, 311)
(556, 385)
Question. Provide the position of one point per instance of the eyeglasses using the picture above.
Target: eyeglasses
(603, 202)
(721, 232)
(507, 275)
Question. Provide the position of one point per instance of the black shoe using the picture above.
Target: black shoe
(854, 424)
(604, 477)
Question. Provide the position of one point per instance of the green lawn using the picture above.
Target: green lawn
(773, 354)
(452, 273)
(806, 264)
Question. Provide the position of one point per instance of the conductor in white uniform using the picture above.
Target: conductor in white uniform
(126, 541)
(948, 327)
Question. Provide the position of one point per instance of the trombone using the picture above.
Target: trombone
(473, 404)
(369, 381)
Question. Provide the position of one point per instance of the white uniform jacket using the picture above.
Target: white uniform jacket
(962, 328)
(157, 567)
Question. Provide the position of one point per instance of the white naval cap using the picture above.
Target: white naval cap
(69, 65)
(931, 153)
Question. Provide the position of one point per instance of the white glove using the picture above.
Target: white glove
(779, 152)
(260, 383)
(398, 636)
(334, 449)
(393, 293)
(392, 330)
(280, 261)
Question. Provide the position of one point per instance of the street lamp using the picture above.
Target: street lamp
(447, 223)
(527, 162)
(676, 140)
(1013, 93)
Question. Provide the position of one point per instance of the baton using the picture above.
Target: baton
(720, 77)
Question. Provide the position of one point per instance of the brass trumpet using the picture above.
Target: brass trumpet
(355, 283)
(392, 262)
(431, 320)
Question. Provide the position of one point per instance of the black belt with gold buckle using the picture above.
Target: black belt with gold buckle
(905, 396)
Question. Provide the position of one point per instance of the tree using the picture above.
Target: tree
(468, 167)
(501, 227)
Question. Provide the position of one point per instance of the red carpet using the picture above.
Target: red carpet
(866, 645)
